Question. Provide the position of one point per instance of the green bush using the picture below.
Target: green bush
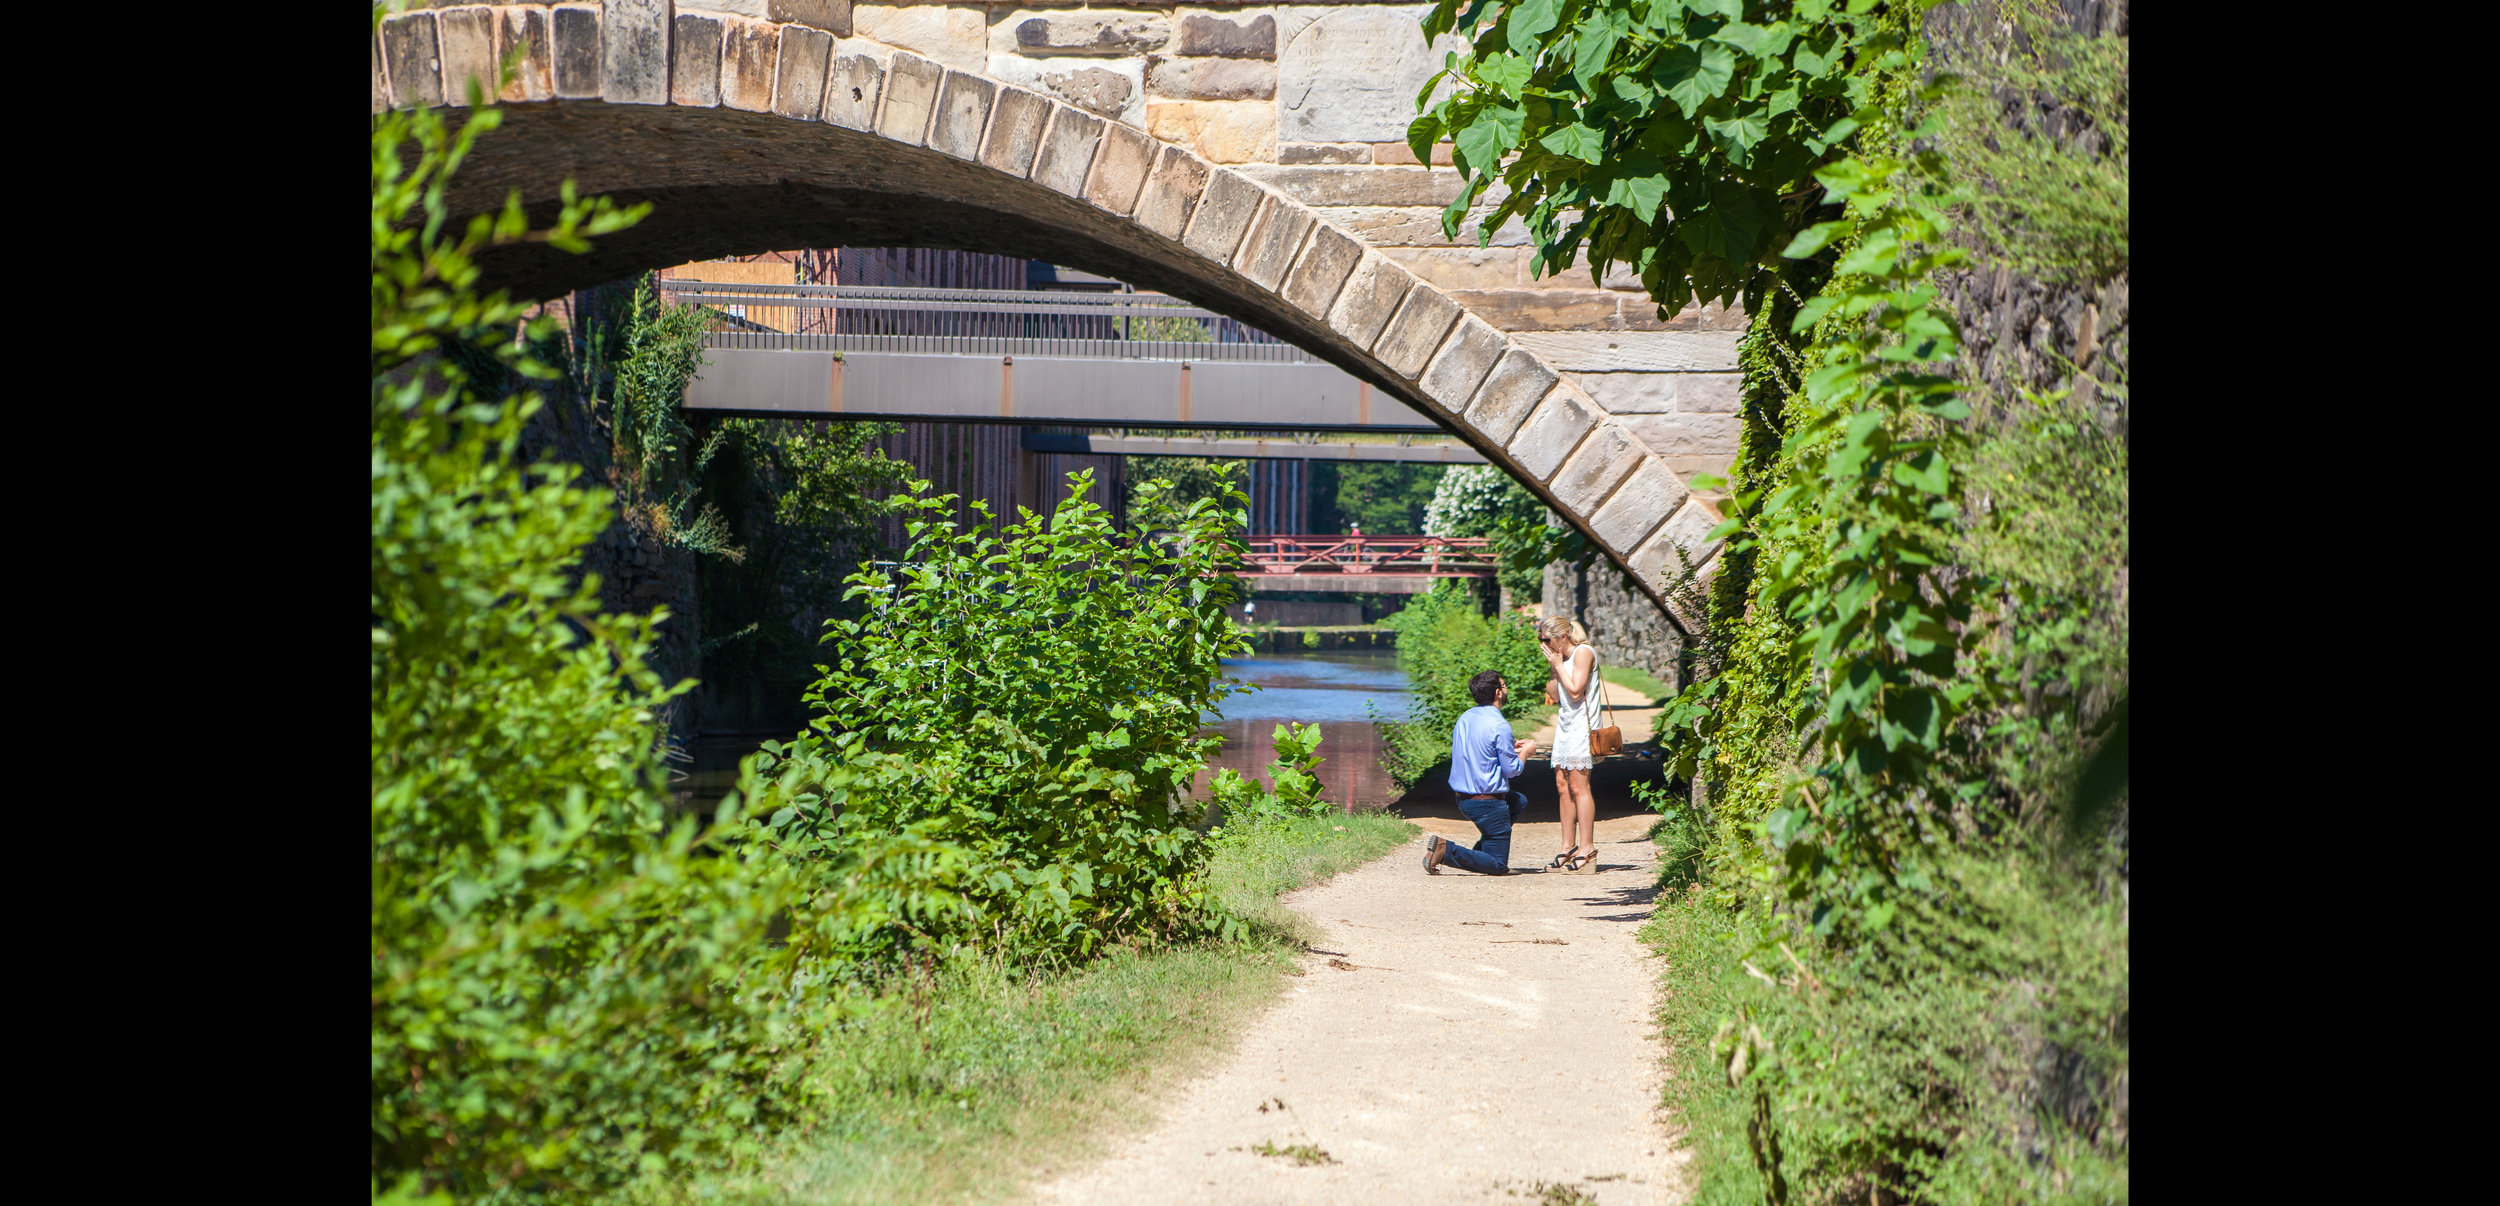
(1293, 788)
(570, 988)
(1443, 641)
(1033, 697)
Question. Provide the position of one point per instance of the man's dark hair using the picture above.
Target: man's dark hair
(1483, 685)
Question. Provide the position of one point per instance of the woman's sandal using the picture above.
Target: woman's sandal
(1559, 860)
(1581, 861)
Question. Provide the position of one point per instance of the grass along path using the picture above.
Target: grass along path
(1452, 1039)
(970, 1084)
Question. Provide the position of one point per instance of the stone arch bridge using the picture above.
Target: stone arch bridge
(776, 127)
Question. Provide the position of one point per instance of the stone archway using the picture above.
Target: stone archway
(751, 135)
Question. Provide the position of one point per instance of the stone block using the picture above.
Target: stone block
(1231, 37)
(1067, 150)
(1370, 296)
(1552, 433)
(1224, 211)
(799, 78)
(1352, 75)
(1326, 262)
(381, 80)
(1274, 240)
(1548, 309)
(1510, 394)
(1688, 529)
(1688, 435)
(831, 16)
(533, 78)
(1604, 459)
(1172, 193)
(1457, 268)
(1120, 169)
(574, 31)
(467, 42)
(1015, 135)
(853, 85)
(1221, 131)
(1460, 366)
(963, 114)
(1115, 32)
(956, 37)
(748, 51)
(1212, 80)
(1637, 351)
(1412, 186)
(1412, 336)
(1417, 226)
(1324, 153)
(1399, 152)
(1664, 393)
(633, 52)
(911, 85)
(694, 61)
(1112, 88)
(413, 50)
(1639, 508)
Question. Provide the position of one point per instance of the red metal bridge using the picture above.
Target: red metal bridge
(1371, 564)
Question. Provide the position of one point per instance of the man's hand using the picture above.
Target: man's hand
(1526, 749)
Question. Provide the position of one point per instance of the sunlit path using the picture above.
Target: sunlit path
(1451, 1039)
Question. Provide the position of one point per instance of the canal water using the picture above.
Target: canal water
(1338, 690)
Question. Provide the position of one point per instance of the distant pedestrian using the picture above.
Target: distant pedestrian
(1484, 758)
(1580, 695)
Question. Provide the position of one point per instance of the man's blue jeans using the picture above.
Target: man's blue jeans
(1493, 819)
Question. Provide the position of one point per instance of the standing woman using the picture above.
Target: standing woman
(1576, 691)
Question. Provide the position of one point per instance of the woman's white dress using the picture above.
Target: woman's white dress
(1574, 719)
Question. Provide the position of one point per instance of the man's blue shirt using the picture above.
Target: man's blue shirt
(1482, 760)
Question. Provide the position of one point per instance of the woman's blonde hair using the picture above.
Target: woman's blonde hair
(1554, 626)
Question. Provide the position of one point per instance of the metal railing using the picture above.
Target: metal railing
(1438, 556)
(980, 322)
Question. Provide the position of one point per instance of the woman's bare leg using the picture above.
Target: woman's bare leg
(1579, 812)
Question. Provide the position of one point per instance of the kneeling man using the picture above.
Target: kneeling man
(1483, 761)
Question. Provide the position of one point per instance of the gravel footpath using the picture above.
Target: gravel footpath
(1452, 1038)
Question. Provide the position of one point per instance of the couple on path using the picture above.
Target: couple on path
(1484, 759)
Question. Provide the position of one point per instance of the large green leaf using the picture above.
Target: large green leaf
(1693, 76)
(1529, 19)
(1577, 141)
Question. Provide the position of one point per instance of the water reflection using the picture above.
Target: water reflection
(1330, 689)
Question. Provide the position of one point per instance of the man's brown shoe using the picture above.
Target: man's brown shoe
(1434, 847)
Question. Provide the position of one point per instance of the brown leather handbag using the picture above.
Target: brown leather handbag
(1606, 740)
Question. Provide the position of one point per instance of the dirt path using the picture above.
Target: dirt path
(1457, 1038)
